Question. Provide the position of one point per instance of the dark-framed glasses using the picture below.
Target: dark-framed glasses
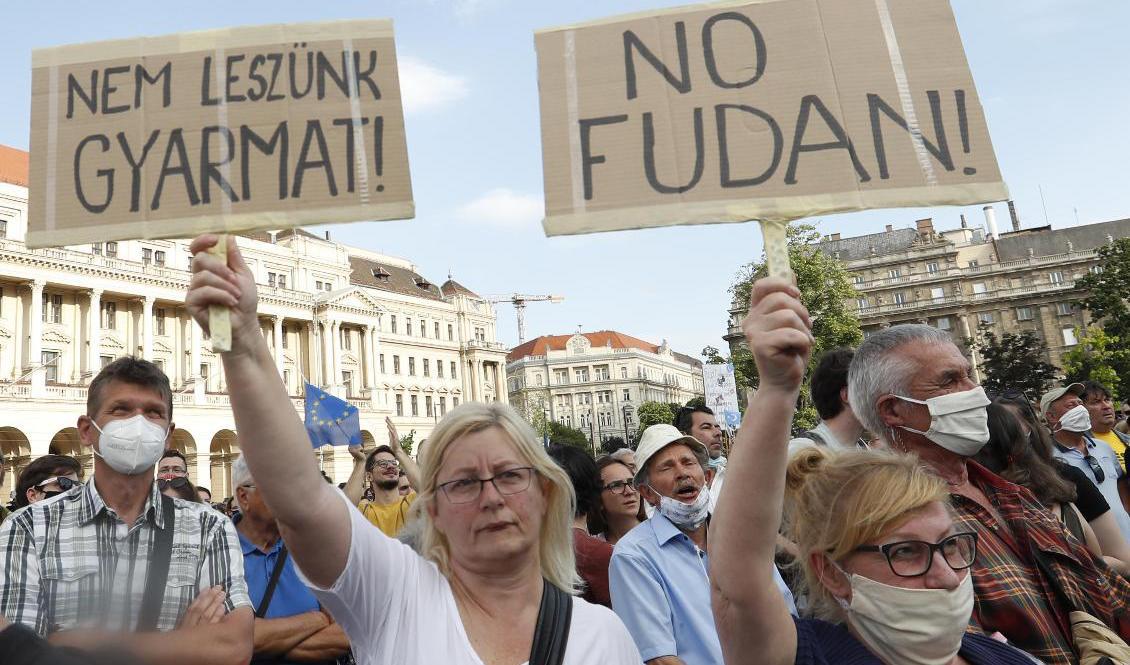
(620, 487)
(176, 482)
(508, 482)
(913, 558)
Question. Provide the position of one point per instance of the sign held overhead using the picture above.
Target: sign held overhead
(225, 130)
(771, 110)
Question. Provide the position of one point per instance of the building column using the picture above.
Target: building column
(327, 354)
(35, 340)
(198, 387)
(477, 379)
(335, 361)
(498, 379)
(94, 334)
(277, 320)
(972, 352)
(313, 354)
(368, 357)
(147, 328)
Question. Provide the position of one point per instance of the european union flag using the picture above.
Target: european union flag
(330, 420)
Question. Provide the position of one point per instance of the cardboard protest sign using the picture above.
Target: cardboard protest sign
(771, 110)
(225, 130)
(722, 393)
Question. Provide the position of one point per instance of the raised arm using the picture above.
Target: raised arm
(355, 486)
(753, 621)
(313, 521)
(406, 462)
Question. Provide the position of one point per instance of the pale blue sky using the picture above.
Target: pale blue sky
(1053, 76)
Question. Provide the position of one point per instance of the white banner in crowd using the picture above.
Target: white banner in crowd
(722, 394)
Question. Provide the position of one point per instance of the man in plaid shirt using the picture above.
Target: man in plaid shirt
(76, 565)
(912, 385)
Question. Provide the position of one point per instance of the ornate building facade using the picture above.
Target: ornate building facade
(595, 381)
(969, 277)
(364, 326)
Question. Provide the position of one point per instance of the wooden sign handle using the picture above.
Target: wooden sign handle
(219, 317)
(776, 249)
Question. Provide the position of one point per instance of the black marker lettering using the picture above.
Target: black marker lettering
(108, 174)
(842, 142)
(649, 155)
(585, 126)
(682, 83)
(135, 166)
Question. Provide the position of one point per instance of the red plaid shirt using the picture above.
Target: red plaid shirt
(1012, 595)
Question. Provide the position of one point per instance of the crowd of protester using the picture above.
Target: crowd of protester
(920, 520)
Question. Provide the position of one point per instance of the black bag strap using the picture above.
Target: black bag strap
(552, 633)
(276, 573)
(158, 570)
(1071, 521)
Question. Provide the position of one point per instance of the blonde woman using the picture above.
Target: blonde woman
(496, 519)
(887, 575)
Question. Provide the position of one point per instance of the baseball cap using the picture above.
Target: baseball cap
(658, 437)
(1055, 393)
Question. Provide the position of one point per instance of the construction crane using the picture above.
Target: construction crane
(519, 301)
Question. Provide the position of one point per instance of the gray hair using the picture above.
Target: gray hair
(620, 453)
(878, 369)
(240, 474)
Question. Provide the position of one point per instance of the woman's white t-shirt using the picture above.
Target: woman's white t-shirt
(396, 607)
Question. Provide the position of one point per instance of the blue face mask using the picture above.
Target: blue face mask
(687, 517)
(717, 464)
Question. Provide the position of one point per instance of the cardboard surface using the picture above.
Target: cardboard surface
(224, 130)
(771, 110)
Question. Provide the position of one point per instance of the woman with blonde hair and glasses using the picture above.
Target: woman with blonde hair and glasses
(495, 579)
(887, 574)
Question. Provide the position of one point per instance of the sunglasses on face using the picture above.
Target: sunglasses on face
(387, 464)
(178, 482)
(65, 483)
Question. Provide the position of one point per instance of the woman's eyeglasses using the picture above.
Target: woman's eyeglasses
(620, 487)
(913, 558)
(509, 482)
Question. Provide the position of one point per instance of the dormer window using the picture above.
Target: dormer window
(422, 283)
(381, 274)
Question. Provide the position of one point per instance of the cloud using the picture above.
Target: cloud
(503, 207)
(424, 87)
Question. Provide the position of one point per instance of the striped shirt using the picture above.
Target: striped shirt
(70, 562)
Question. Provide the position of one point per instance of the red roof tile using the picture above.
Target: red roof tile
(13, 166)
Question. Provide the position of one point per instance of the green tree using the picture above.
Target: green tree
(568, 436)
(1014, 361)
(1098, 357)
(408, 441)
(1106, 291)
(612, 444)
(533, 405)
(825, 289)
(653, 413)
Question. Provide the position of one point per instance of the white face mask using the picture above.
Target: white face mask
(1077, 419)
(687, 517)
(911, 626)
(959, 422)
(131, 446)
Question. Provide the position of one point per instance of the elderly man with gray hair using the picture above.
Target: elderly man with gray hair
(290, 626)
(911, 385)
